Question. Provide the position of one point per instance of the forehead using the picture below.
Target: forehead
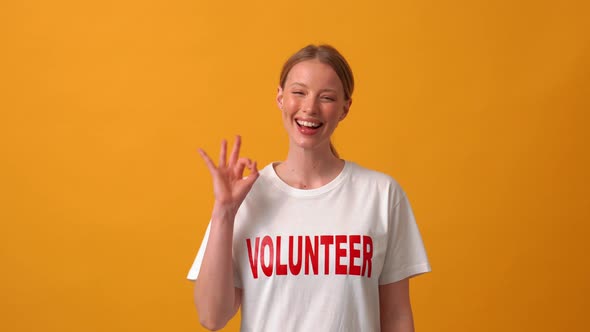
(314, 73)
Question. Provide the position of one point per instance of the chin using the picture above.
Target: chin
(309, 143)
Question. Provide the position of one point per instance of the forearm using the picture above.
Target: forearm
(398, 324)
(214, 294)
(395, 307)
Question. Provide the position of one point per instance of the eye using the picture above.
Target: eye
(328, 98)
(297, 92)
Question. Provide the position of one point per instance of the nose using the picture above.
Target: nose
(310, 105)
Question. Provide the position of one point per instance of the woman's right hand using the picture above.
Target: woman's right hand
(230, 187)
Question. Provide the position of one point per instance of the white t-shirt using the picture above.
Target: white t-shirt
(313, 260)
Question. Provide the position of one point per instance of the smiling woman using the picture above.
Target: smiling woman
(313, 103)
(330, 57)
(313, 243)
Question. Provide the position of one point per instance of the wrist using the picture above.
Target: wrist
(223, 212)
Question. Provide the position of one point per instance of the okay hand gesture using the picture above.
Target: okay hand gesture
(230, 187)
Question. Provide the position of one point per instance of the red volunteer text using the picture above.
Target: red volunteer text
(333, 247)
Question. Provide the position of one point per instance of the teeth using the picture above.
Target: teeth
(308, 124)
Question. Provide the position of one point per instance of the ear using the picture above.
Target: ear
(280, 97)
(346, 109)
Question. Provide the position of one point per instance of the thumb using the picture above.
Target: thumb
(253, 174)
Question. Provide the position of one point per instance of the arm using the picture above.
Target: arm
(216, 298)
(395, 308)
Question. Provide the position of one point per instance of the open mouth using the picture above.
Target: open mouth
(308, 124)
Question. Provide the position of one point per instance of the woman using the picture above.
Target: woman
(313, 243)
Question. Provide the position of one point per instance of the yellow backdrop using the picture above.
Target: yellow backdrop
(478, 108)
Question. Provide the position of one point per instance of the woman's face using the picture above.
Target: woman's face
(312, 104)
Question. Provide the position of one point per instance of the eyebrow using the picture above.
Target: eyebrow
(305, 86)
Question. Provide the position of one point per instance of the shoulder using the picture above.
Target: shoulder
(361, 173)
(267, 175)
(265, 180)
(361, 176)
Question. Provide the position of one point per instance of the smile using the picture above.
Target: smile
(308, 124)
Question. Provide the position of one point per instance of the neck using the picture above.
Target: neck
(309, 169)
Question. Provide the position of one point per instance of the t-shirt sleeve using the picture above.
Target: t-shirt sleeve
(193, 273)
(405, 256)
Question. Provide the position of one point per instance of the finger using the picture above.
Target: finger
(240, 166)
(222, 153)
(235, 153)
(254, 168)
(253, 174)
(207, 160)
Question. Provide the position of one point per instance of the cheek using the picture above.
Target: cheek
(334, 112)
(290, 104)
(285, 114)
(290, 107)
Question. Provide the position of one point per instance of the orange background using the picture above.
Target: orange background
(478, 108)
